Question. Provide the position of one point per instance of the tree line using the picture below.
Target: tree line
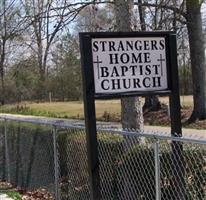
(39, 50)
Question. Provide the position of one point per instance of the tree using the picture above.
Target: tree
(65, 77)
(152, 102)
(47, 18)
(24, 76)
(197, 56)
(94, 18)
(132, 117)
(190, 14)
(11, 26)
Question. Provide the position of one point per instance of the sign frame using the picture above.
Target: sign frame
(89, 65)
(89, 97)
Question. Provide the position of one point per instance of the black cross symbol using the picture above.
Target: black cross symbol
(161, 59)
(98, 65)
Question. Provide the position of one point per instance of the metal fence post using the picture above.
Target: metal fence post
(7, 157)
(56, 164)
(157, 171)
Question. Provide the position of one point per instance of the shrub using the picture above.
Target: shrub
(132, 172)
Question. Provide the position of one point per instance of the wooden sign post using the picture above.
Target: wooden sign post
(122, 64)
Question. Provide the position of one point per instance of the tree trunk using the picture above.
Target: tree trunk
(131, 112)
(2, 59)
(152, 103)
(2, 98)
(197, 54)
(141, 16)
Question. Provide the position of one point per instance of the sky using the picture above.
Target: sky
(204, 18)
(204, 14)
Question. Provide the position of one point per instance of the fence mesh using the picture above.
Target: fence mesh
(27, 156)
(128, 168)
(74, 178)
(183, 170)
(132, 166)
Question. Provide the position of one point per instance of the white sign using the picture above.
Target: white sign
(129, 64)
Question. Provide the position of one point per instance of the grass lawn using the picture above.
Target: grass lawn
(105, 109)
(74, 109)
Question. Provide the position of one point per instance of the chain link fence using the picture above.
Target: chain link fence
(133, 166)
(27, 155)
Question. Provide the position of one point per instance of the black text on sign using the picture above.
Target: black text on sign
(129, 64)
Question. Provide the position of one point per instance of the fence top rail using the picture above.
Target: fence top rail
(39, 120)
(102, 127)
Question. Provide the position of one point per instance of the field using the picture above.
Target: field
(107, 110)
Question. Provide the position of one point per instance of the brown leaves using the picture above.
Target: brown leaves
(40, 194)
(5, 185)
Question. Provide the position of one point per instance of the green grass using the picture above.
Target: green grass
(12, 194)
(28, 125)
(105, 110)
(63, 109)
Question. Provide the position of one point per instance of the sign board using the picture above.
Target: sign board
(123, 64)
(129, 64)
